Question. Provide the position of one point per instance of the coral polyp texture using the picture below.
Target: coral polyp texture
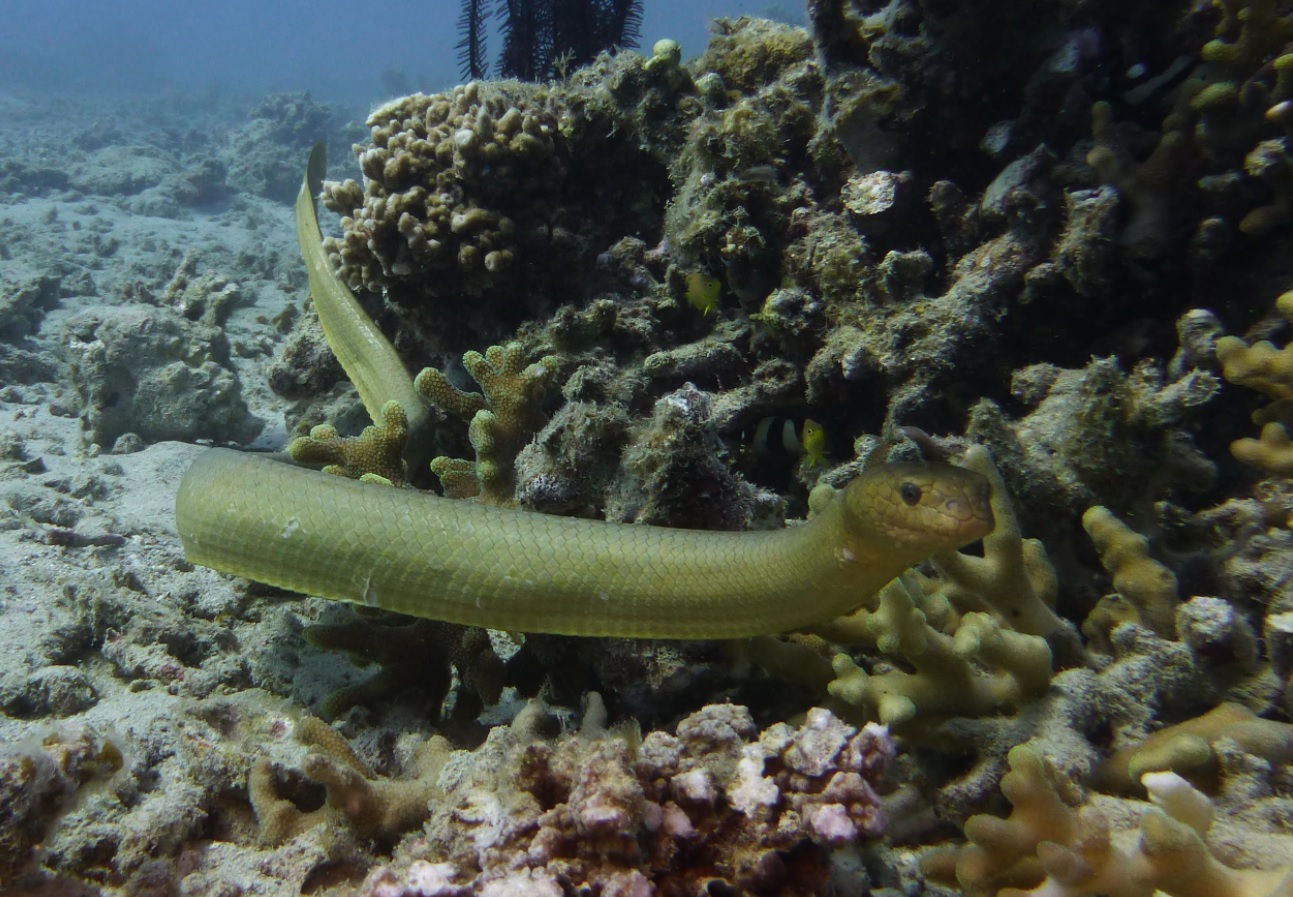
(454, 183)
(473, 193)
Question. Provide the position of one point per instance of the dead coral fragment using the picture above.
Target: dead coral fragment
(715, 808)
(373, 807)
(413, 653)
(502, 419)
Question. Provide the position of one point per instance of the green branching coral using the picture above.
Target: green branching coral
(1190, 749)
(1145, 591)
(1058, 843)
(1247, 34)
(979, 669)
(502, 418)
(375, 454)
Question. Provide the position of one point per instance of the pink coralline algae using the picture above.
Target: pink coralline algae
(718, 807)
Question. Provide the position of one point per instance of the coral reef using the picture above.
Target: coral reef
(1052, 262)
(716, 806)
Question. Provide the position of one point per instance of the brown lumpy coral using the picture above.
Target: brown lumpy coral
(452, 185)
(469, 193)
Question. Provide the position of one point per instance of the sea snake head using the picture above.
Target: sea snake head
(915, 510)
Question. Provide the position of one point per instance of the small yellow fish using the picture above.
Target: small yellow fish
(703, 291)
(813, 440)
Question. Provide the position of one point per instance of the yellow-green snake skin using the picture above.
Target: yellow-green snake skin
(420, 554)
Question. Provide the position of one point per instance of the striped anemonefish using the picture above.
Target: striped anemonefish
(780, 436)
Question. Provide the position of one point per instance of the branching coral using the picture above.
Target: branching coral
(375, 453)
(1263, 367)
(973, 641)
(1056, 845)
(1145, 590)
(1189, 748)
(502, 418)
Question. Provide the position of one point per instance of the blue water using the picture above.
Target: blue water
(338, 50)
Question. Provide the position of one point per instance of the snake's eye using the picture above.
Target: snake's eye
(910, 493)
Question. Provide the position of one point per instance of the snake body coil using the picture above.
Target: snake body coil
(416, 553)
(463, 562)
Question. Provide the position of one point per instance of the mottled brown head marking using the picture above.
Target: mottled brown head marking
(923, 508)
